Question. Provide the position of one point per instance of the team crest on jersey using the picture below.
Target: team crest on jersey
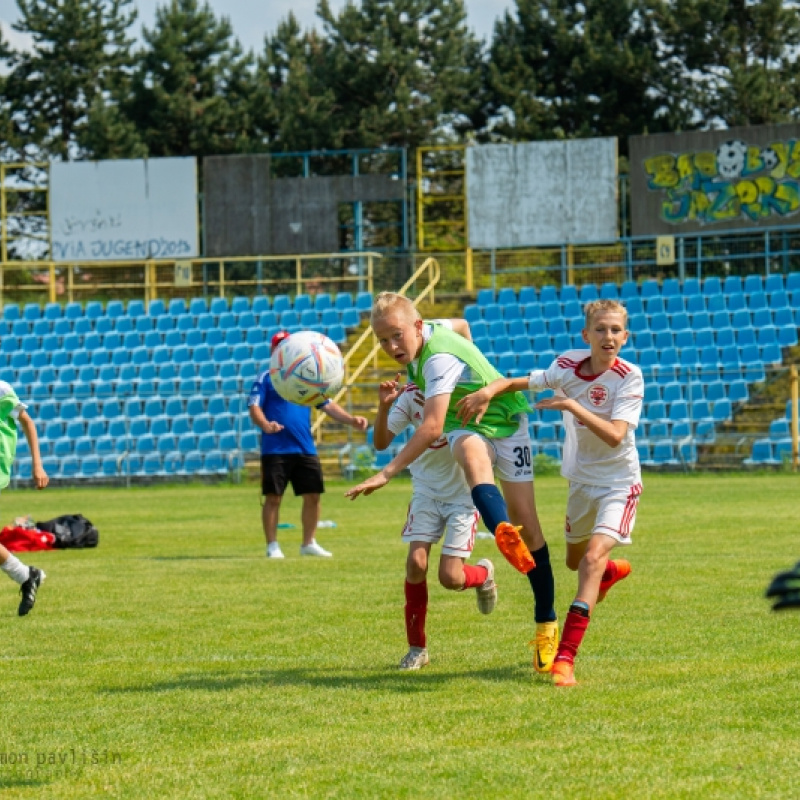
(598, 394)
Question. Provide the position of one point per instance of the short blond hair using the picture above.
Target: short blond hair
(595, 307)
(387, 303)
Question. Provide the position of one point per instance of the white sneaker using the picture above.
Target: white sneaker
(487, 591)
(484, 535)
(415, 658)
(274, 550)
(314, 549)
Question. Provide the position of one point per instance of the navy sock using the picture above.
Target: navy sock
(490, 504)
(543, 585)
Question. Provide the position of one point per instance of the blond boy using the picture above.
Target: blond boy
(446, 367)
(600, 396)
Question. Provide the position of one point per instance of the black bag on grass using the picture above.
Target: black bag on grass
(71, 531)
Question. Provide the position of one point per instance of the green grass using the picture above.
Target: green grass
(176, 661)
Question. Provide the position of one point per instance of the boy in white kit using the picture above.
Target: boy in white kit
(600, 396)
(441, 504)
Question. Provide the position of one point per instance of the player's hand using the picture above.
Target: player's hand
(389, 391)
(360, 423)
(557, 402)
(40, 478)
(369, 486)
(785, 588)
(272, 427)
(473, 405)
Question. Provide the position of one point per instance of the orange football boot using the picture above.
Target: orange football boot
(564, 673)
(510, 544)
(623, 570)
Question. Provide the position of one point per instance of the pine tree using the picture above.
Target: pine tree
(402, 72)
(737, 59)
(563, 68)
(191, 91)
(292, 107)
(80, 53)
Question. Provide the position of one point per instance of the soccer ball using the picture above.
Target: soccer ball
(307, 368)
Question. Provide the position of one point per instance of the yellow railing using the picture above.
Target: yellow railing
(431, 266)
(224, 277)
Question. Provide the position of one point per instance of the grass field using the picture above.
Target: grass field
(176, 661)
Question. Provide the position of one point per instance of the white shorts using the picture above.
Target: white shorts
(428, 519)
(512, 455)
(597, 509)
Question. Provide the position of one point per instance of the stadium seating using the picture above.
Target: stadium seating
(705, 342)
(701, 345)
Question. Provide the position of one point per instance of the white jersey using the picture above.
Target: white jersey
(616, 394)
(435, 473)
(442, 371)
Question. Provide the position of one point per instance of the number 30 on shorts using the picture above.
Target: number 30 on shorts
(523, 456)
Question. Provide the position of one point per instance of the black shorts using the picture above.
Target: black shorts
(303, 472)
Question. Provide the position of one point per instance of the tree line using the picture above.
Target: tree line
(388, 73)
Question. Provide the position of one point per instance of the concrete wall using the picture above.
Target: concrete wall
(728, 179)
(123, 210)
(539, 193)
(249, 213)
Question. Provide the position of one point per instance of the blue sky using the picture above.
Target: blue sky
(252, 19)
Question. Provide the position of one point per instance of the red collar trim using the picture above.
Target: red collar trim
(593, 377)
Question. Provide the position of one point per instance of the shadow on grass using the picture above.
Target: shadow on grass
(387, 678)
(22, 781)
(197, 558)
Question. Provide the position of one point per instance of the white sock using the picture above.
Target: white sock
(15, 569)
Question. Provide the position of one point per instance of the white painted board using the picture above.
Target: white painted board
(126, 210)
(542, 193)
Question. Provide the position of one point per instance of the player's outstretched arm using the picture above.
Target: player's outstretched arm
(40, 477)
(335, 411)
(610, 431)
(476, 403)
(428, 432)
(260, 421)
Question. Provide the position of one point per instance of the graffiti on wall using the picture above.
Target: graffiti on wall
(735, 182)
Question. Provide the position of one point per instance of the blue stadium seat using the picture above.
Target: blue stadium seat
(172, 464)
(109, 466)
(240, 304)
(68, 468)
(588, 293)
(322, 302)
(193, 462)
(527, 294)
(663, 453)
(761, 454)
(218, 306)
(787, 337)
(198, 306)
(649, 288)
(568, 294)
(342, 301)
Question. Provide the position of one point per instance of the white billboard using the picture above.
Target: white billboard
(540, 193)
(126, 210)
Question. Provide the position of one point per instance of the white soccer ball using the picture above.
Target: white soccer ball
(307, 368)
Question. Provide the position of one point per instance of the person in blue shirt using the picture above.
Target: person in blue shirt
(289, 456)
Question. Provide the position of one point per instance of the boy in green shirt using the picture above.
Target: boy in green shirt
(14, 413)
(447, 367)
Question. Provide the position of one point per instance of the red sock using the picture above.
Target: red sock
(474, 576)
(572, 636)
(610, 572)
(416, 610)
